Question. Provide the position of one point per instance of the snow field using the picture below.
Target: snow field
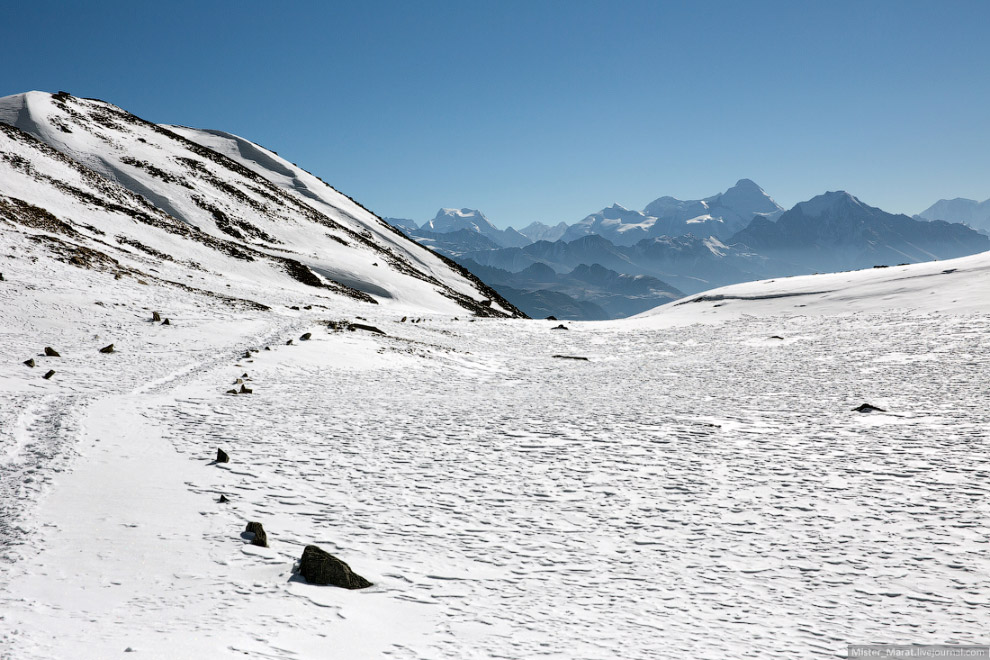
(700, 491)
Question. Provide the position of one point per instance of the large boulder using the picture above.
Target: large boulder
(320, 567)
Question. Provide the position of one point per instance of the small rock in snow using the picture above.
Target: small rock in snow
(260, 537)
(51, 352)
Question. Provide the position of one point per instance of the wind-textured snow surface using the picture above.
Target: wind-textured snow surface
(698, 490)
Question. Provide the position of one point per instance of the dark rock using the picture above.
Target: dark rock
(47, 376)
(560, 327)
(485, 303)
(222, 456)
(867, 408)
(306, 336)
(107, 349)
(268, 348)
(1, 277)
(30, 362)
(362, 326)
(245, 390)
(308, 307)
(551, 318)
(320, 567)
(246, 355)
(260, 538)
(244, 375)
(231, 391)
(288, 343)
(51, 352)
(403, 319)
(223, 499)
(776, 337)
(571, 357)
(294, 307)
(155, 316)
(166, 322)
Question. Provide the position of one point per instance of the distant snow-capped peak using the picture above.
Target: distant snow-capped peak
(830, 201)
(450, 219)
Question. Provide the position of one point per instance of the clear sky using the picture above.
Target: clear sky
(545, 110)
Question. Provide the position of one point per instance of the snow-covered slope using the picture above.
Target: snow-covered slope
(706, 485)
(959, 285)
(213, 203)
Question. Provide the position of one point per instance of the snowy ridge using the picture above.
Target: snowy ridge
(232, 193)
(950, 286)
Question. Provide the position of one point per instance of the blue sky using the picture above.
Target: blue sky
(543, 110)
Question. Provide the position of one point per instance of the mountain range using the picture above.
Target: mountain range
(739, 235)
(720, 215)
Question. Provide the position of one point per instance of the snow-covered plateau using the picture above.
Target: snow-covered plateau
(698, 487)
